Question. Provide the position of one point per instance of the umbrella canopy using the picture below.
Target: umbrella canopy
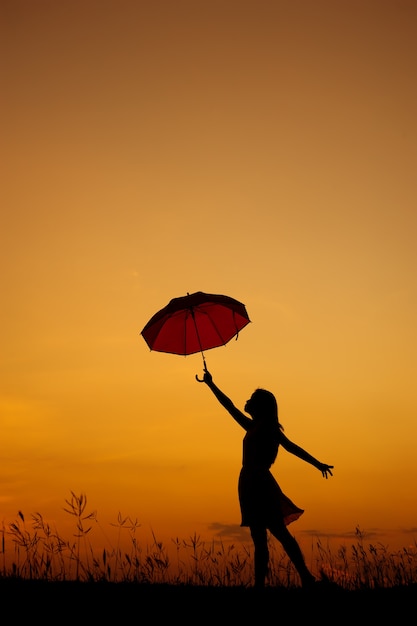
(194, 323)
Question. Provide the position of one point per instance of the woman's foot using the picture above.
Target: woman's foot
(308, 582)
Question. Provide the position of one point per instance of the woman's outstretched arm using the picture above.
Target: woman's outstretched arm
(293, 448)
(225, 401)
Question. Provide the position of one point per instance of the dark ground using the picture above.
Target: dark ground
(130, 603)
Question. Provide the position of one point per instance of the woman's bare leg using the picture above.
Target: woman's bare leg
(293, 550)
(261, 557)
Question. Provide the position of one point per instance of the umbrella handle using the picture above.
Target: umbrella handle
(201, 380)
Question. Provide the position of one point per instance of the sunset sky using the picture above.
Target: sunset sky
(261, 149)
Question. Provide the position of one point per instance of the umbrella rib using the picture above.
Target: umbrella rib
(215, 327)
(198, 336)
(185, 335)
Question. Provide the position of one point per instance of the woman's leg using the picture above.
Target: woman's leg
(291, 547)
(261, 557)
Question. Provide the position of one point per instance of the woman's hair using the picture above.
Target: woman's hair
(269, 407)
(268, 422)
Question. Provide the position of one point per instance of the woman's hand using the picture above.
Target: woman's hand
(326, 469)
(207, 377)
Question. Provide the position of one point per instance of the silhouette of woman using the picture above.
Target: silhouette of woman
(263, 505)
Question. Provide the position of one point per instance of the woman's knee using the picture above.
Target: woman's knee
(258, 535)
(280, 532)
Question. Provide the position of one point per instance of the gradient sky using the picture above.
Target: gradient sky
(261, 149)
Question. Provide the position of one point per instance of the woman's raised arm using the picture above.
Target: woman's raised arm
(242, 419)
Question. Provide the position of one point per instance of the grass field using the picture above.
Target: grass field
(45, 577)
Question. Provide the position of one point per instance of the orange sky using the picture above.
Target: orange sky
(264, 150)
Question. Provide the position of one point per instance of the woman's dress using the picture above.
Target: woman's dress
(262, 502)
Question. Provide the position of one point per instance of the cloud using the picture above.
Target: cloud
(230, 532)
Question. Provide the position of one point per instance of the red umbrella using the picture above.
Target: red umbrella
(194, 323)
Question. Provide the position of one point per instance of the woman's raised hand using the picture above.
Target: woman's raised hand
(207, 378)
